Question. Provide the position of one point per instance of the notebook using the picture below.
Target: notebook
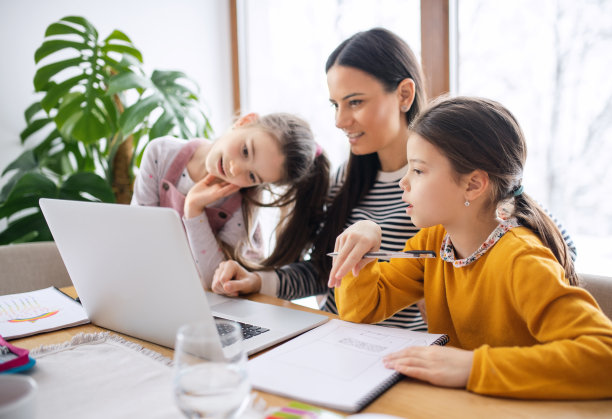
(32, 312)
(337, 365)
(134, 273)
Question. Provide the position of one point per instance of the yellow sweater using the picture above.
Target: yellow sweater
(533, 335)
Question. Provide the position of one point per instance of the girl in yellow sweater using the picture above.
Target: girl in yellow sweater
(503, 286)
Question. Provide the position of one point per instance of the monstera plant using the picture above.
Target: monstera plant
(85, 135)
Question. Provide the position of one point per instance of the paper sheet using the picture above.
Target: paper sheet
(38, 311)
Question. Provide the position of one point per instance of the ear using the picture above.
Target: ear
(476, 184)
(406, 91)
(246, 119)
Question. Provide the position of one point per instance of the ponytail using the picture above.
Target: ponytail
(301, 217)
(531, 215)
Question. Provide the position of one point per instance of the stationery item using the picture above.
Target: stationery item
(337, 365)
(393, 255)
(298, 410)
(13, 359)
(28, 313)
(133, 270)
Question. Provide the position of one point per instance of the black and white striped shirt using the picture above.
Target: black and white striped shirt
(383, 204)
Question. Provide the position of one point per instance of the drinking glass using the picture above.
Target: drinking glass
(210, 379)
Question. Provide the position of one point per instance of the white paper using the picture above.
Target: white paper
(38, 311)
(337, 365)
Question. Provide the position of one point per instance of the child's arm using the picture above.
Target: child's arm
(382, 288)
(571, 357)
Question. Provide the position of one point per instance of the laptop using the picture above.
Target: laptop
(134, 273)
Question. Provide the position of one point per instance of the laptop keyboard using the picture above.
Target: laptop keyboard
(248, 330)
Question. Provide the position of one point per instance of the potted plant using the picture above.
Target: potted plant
(86, 133)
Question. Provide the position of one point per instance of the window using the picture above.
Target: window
(285, 45)
(549, 63)
(283, 49)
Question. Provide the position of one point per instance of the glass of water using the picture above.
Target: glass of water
(210, 378)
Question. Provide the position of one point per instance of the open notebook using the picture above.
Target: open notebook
(134, 273)
(337, 365)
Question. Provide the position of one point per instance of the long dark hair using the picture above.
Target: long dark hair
(385, 56)
(480, 134)
(300, 193)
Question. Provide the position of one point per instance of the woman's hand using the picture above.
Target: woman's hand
(351, 245)
(441, 366)
(204, 193)
(232, 279)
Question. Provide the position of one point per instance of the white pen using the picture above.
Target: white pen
(393, 255)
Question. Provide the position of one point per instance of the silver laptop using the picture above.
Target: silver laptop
(134, 273)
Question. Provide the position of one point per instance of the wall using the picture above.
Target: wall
(187, 35)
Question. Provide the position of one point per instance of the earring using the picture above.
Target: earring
(466, 203)
(404, 108)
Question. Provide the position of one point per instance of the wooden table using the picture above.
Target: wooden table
(408, 398)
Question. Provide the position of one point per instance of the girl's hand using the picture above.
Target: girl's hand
(232, 279)
(351, 245)
(441, 366)
(204, 193)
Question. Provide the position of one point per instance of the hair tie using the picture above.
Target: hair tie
(517, 190)
(319, 150)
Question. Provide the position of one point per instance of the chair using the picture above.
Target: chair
(600, 287)
(31, 266)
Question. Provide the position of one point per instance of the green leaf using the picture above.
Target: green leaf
(42, 76)
(58, 28)
(49, 47)
(26, 161)
(32, 183)
(33, 127)
(56, 92)
(89, 183)
(89, 29)
(166, 77)
(32, 227)
(136, 113)
(123, 66)
(111, 113)
(69, 108)
(116, 34)
(125, 81)
(123, 49)
(162, 126)
(89, 128)
(32, 110)
(18, 204)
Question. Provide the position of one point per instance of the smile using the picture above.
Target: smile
(220, 166)
(353, 137)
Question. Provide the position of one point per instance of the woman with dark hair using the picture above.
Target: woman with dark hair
(376, 86)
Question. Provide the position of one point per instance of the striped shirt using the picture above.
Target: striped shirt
(382, 204)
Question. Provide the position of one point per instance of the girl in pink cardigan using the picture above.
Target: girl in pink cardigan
(217, 186)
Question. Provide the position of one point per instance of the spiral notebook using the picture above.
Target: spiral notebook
(337, 365)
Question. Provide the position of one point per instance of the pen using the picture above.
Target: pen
(390, 255)
(78, 300)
